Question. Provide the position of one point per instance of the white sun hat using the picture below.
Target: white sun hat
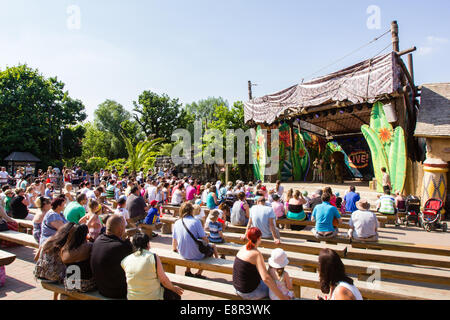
(278, 259)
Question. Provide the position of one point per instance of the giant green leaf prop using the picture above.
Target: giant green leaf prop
(300, 157)
(259, 155)
(387, 147)
(285, 168)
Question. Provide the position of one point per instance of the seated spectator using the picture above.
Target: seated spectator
(278, 207)
(277, 262)
(44, 205)
(205, 193)
(333, 279)
(386, 206)
(145, 276)
(19, 206)
(92, 220)
(400, 201)
(108, 251)
(199, 214)
(308, 199)
(136, 205)
(240, 212)
(48, 261)
(186, 231)
(76, 255)
(68, 188)
(75, 209)
(191, 191)
(295, 210)
(351, 198)
(338, 200)
(316, 199)
(215, 228)
(323, 215)
(178, 196)
(153, 216)
(49, 191)
(332, 198)
(263, 218)
(250, 277)
(53, 220)
(212, 201)
(363, 223)
(31, 197)
(122, 211)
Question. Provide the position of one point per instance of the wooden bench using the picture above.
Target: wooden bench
(357, 267)
(401, 246)
(23, 239)
(381, 291)
(207, 287)
(6, 258)
(398, 257)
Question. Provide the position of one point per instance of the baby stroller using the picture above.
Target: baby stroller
(431, 216)
(412, 211)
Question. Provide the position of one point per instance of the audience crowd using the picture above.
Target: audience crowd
(84, 227)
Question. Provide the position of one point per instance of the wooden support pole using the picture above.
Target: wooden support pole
(395, 38)
(402, 53)
(411, 66)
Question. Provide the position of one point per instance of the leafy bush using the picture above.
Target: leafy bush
(95, 164)
(119, 164)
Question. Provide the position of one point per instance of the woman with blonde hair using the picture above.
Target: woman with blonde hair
(92, 219)
(68, 192)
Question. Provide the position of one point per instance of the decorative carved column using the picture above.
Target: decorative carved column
(434, 180)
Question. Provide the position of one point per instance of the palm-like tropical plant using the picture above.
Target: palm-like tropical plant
(144, 152)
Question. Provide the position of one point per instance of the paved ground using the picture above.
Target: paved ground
(20, 283)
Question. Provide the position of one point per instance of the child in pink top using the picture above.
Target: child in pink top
(278, 207)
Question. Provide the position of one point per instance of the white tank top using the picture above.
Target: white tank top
(350, 287)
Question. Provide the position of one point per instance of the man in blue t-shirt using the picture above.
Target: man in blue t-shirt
(324, 214)
(351, 199)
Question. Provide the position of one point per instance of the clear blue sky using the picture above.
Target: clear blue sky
(192, 49)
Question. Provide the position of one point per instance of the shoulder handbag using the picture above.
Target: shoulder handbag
(207, 250)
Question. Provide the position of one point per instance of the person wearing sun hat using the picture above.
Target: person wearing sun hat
(363, 223)
(277, 262)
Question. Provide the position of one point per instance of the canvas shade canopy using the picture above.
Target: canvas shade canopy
(336, 102)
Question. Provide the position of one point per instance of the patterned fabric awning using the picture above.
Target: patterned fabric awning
(362, 82)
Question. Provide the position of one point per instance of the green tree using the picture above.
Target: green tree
(158, 115)
(206, 109)
(96, 143)
(143, 154)
(35, 110)
(133, 131)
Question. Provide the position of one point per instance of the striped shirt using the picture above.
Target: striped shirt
(387, 204)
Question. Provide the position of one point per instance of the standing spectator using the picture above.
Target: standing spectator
(250, 277)
(77, 253)
(351, 198)
(53, 220)
(29, 170)
(386, 180)
(44, 205)
(333, 279)
(136, 205)
(323, 215)
(183, 242)
(145, 276)
(19, 206)
(279, 189)
(263, 218)
(108, 251)
(9, 194)
(4, 177)
(75, 210)
(363, 223)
